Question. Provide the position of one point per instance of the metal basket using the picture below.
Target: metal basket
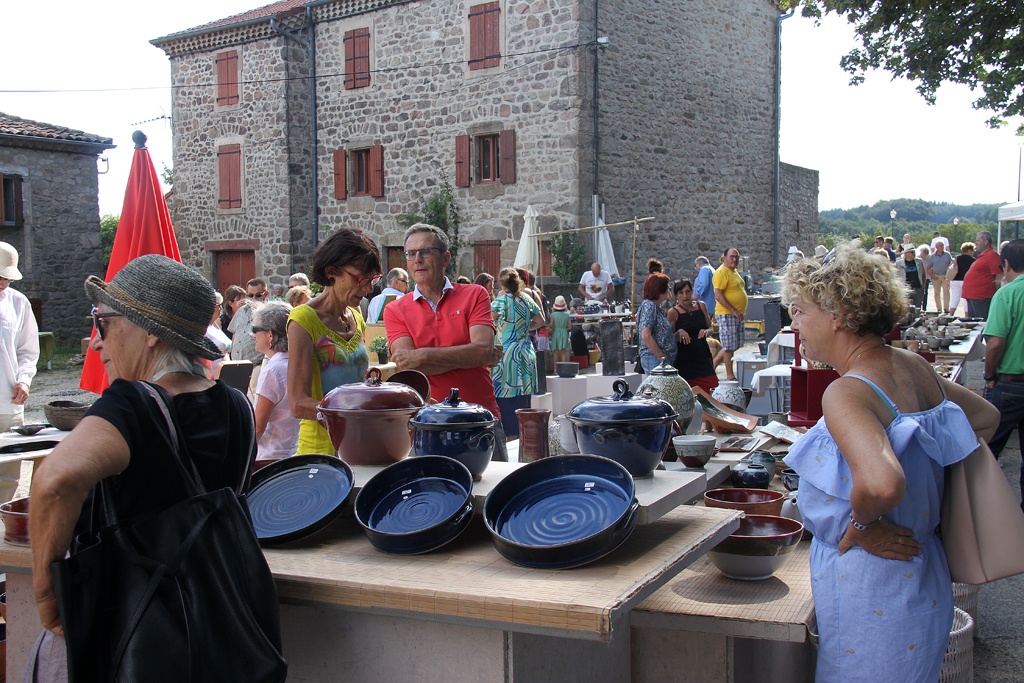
(958, 664)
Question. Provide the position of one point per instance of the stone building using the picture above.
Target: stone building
(50, 213)
(656, 109)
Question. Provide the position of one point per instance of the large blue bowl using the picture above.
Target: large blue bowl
(563, 511)
(416, 505)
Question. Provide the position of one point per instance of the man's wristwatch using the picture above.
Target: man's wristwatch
(991, 378)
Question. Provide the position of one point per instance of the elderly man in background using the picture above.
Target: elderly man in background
(941, 268)
(703, 288)
(596, 284)
(1004, 350)
(397, 285)
(443, 330)
(298, 280)
(983, 278)
(730, 307)
(19, 351)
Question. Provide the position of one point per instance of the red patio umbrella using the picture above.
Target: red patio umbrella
(144, 228)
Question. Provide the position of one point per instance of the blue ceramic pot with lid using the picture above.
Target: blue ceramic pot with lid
(632, 431)
(457, 429)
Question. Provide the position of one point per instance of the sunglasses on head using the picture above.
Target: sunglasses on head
(260, 328)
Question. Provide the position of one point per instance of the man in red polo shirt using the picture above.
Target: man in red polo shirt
(443, 330)
(983, 277)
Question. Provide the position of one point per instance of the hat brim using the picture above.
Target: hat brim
(194, 345)
(11, 273)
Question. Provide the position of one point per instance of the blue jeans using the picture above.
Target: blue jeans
(1008, 397)
(648, 361)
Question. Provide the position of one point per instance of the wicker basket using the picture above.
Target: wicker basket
(64, 415)
(958, 664)
(965, 596)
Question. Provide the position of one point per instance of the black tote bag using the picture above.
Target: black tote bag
(180, 595)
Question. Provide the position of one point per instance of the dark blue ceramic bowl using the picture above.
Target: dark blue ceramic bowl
(563, 511)
(416, 505)
(471, 445)
(293, 497)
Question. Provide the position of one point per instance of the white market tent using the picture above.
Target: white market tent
(1010, 212)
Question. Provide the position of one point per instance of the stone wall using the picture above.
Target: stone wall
(687, 128)
(59, 245)
(798, 209)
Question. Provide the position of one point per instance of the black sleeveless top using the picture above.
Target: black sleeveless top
(693, 360)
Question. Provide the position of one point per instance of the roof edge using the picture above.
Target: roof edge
(84, 146)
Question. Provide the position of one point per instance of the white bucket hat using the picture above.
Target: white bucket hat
(9, 262)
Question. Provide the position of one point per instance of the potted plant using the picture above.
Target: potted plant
(379, 346)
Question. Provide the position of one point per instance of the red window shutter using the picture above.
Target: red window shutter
(507, 151)
(484, 37)
(357, 58)
(340, 176)
(19, 212)
(227, 78)
(229, 161)
(376, 179)
(461, 161)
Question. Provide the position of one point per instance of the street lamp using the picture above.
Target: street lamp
(892, 224)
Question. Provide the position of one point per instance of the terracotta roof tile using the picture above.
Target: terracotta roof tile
(13, 125)
(270, 10)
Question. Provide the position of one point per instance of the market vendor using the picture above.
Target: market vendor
(443, 330)
(596, 284)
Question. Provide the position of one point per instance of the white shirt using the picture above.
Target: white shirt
(940, 238)
(595, 286)
(19, 347)
(281, 437)
(377, 303)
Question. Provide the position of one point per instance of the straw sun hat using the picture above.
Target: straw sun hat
(559, 303)
(9, 262)
(165, 298)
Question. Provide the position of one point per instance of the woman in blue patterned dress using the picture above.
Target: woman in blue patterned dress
(515, 375)
(871, 474)
(657, 334)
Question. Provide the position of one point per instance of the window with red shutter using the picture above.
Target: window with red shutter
(507, 156)
(340, 174)
(376, 171)
(484, 35)
(229, 167)
(360, 172)
(357, 58)
(227, 78)
(488, 162)
(462, 161)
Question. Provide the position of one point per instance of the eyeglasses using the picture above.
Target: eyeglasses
(424, 253)
(362, 280)
(258, 295)
(260, 328)
(97, 321)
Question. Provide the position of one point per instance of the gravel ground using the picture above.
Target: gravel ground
(1001, 619)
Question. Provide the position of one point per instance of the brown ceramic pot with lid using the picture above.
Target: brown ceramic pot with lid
(368, 421)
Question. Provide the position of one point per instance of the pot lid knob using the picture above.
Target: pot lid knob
(453, 399)
(620, 387)
(373, 377)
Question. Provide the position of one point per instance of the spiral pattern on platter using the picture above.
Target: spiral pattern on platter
(294, 500)
(552, 513)
(418, 506)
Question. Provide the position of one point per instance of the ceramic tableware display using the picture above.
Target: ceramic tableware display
(694, 450)
(750, 501)
(790, 508)
(457, 429)
(368, 422)
(758, 548)
(29, 430)
(730, 393)
(416, 505)
(750, 475)
(533, 433)
(567, 369)
(15, 516)
(762, 458)
(632, 431)
(65, 415)
(665, 382)
(790, 479)
(561, 512)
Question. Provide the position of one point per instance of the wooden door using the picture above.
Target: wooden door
(487, 257)
(396, 259)
(234, 268)
(544, 269)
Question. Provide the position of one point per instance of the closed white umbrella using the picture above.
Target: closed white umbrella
(527, 255)
(605, 255)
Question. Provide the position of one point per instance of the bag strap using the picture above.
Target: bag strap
(187, 467)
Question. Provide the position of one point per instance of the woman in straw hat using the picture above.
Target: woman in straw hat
(150, 322)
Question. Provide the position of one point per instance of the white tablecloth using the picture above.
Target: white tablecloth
(782, 339)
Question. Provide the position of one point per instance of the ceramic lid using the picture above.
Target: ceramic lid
(454, 411)
(372, 394)
(664, 368)
(622, 407)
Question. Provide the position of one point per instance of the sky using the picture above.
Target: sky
(879, 140)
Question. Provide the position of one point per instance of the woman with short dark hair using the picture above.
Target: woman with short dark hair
(692, 325)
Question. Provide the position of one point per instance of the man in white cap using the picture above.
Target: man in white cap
(19, 351)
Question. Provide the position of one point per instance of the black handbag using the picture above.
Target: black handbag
(184, 594)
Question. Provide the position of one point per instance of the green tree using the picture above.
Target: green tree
(440, 210)
(979, 44)
(108, 228)
(567, 253)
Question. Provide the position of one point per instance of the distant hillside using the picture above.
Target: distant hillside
(917, 210)
(918, 217)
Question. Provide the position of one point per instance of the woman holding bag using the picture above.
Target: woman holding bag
(150, 321)
(872, 474)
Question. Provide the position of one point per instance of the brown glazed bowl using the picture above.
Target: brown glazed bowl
(15, 516)
(750, 501)
(368, 422)
(65, 415)
(758, 548)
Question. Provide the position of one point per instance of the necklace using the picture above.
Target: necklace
(345, 322)
(871, 348)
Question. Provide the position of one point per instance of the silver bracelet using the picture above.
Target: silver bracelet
(863, 527)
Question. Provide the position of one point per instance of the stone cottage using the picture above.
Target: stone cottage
(648, 109)
(50, 213)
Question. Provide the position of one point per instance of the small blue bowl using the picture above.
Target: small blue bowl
(416, 505)
(561, 512)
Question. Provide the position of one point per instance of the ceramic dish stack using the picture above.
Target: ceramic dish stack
(758, 548)
(563, 511)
